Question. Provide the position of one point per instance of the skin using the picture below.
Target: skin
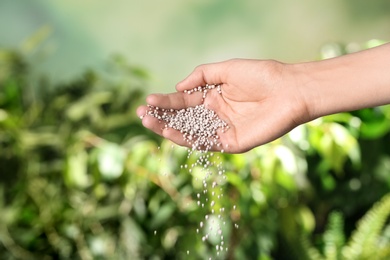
(262, 100)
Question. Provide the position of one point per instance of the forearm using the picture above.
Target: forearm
(346, 83)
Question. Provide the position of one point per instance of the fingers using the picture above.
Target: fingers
(150, 122)
(176, 100)
(213, 73)
(159, 127)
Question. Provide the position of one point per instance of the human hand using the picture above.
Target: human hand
(259, 100)
(262, 100)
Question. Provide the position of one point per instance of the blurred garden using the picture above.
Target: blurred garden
(81, 178)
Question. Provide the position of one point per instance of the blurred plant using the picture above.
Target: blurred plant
(368, 241)
(56, 147)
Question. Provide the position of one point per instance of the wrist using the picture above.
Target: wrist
(305, 89)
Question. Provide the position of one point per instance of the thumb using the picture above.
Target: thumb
(212, 73)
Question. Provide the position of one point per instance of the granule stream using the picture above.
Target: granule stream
(199, 126)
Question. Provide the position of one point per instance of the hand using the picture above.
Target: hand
(260, 101)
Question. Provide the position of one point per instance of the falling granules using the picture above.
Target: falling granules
(199, 126)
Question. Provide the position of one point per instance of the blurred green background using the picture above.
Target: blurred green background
(80, 178)
(169, 38)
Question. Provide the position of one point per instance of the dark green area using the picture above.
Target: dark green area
(80, 178)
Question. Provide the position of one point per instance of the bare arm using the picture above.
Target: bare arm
(346, 83)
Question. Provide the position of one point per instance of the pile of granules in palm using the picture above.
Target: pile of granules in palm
(198, 124)
(199, 127)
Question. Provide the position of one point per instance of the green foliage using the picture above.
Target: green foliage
(368, 240)
(81, 178)
(334, 237)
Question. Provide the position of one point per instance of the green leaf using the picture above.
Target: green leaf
(363, 243)
(162, 215)
(76, 174)
(334, 238)
(306, 219)
(110, 160)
